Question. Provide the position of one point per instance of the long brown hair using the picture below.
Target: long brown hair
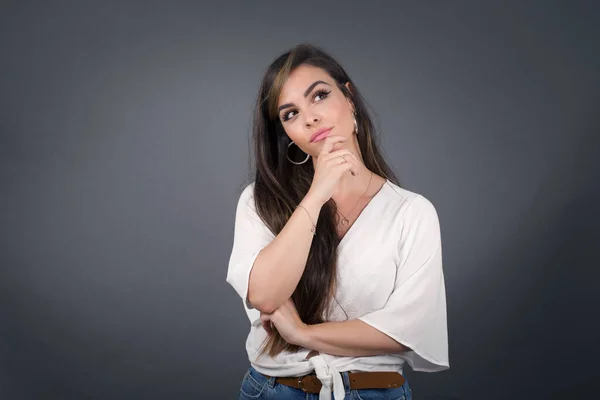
(279, 185)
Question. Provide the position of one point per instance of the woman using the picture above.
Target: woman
(340, 268)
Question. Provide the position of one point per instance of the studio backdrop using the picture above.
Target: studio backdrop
(125, 143)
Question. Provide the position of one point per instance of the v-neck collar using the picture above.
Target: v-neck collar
(360, 217)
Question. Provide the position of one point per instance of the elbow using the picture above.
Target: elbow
(263, 296)
(261, 303)
(266, 309)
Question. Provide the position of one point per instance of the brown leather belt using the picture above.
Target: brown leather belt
(358, 380)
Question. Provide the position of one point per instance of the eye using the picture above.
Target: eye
(286, 116)
(322, 93)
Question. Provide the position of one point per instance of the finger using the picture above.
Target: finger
(339, 159)
(345, 156)
(338, 153)
(352, 167)
(353, 159)
(356, 164)
(265, 320)
(267, 327)
(338, 146)
(330, 141)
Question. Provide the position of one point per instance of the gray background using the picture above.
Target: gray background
(124, 146)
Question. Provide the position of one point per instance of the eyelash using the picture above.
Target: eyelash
(322, 92)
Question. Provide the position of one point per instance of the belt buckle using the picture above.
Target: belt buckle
(300, 384)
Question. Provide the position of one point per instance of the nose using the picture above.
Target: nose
(311, 120)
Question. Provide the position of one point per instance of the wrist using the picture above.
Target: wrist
(312, 204)
(305, 337)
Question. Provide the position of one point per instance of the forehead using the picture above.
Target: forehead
(300, 79)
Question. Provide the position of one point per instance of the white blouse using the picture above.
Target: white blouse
(389, 276)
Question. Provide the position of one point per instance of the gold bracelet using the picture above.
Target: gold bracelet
(314, 227)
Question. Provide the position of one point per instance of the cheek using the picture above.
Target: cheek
(294, 132)
(298, 135)
(339, 111)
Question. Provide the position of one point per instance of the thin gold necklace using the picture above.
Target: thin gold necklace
(345, 220)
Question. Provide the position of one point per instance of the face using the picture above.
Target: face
(310, 103)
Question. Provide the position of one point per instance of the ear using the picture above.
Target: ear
(347, 84)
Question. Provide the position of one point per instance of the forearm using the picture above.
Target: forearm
(280, 265)
(353, 338)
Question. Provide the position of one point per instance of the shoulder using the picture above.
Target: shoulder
(245, 200)
(247, 191)
(410, 213)
(408, 204)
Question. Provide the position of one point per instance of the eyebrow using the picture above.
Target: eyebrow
(306, 92)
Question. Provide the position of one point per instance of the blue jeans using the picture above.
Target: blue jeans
(257, 386)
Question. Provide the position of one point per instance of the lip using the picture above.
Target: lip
(320, 134)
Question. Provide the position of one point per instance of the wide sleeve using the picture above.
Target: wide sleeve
(250, 236)
(415, 313)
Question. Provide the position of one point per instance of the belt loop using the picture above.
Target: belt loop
(271, 381)
(346, 379)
